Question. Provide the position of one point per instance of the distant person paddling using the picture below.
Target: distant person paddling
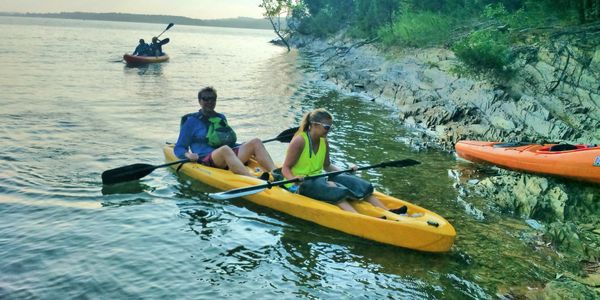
(156, 46)
(142, 49)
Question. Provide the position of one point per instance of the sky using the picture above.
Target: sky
(197, 9)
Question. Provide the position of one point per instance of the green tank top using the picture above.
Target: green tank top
(310, 163)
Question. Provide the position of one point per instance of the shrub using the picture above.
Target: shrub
(487, 50)
(419, 29)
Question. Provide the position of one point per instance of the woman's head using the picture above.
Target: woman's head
(317, 117)
(142, 41)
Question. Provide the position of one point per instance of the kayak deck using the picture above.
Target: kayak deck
(579, 162)
(419, 229)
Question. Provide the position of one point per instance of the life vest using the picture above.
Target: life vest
(310, 163)
(218, 132)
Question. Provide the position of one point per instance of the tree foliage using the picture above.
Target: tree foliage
(479, 31)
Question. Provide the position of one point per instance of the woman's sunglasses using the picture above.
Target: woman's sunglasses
(325, 126)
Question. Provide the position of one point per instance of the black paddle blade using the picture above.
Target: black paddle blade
(399, 163)
(169, 26)
(165, 41)
(287, 135)
(126, 173)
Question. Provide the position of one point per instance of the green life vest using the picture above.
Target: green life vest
(219, 133)
(310, 163)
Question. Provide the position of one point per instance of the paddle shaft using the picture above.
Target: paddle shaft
(168, 27)
(183, 161)
(257, 188)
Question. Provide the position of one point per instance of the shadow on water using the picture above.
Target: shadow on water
(127, 194)
(130, 187)
(155, 69)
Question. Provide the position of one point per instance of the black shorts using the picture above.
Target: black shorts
(348, 187)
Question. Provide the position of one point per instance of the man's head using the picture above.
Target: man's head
(207, 97)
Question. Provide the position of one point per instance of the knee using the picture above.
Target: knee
(255, 142)
(225, 151)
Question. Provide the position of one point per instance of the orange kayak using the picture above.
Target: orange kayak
(135, 59)
(579, 162)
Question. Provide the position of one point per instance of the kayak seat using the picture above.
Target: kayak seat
(562, 147)
(400, 211)
(512, 144)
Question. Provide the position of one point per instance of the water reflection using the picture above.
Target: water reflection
(145, 69)
(130, 187)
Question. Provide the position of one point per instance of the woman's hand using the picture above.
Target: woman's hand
(192, 156)
(354, 168)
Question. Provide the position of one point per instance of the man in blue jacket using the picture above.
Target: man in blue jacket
(142, 49)
(197, 133)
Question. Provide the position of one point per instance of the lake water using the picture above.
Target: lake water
(71, 109)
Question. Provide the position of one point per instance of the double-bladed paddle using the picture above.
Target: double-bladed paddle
(168, 27)
(241, 192)
(137, 171)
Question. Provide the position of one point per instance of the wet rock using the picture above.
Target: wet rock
(563, 288)
(526, 195)
(552, 96)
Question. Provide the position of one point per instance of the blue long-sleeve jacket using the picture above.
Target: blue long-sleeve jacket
(192, 136)
(141, 49)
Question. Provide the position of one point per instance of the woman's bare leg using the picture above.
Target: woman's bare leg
(346, 206)
(375, 201)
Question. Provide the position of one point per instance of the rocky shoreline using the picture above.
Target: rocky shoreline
(554, 96)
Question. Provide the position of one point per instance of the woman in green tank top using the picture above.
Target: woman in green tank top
(308, 154)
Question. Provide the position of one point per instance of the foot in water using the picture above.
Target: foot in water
(399, 211)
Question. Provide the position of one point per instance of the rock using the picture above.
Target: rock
(534, 224)
(563, 288)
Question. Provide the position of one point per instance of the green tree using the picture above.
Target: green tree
(278, 13)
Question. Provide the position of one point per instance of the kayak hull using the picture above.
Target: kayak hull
(426, 231)
(135, 59)
(581, 163)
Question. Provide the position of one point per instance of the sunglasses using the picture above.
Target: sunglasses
(325, 126)
(209, 98)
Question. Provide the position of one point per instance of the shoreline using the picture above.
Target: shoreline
(534, 106)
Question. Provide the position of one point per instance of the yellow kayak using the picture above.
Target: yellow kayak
(419, 229)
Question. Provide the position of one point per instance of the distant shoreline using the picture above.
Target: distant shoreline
(240, 22)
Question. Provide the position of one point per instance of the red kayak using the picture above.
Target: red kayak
(135, 59)
(580, 162)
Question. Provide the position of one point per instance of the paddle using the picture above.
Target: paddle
(137, 171)
(168, 27)
(240, 192)
(164, 42)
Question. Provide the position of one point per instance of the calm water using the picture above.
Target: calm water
(71, 110)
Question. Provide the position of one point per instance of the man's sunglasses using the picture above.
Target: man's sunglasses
(209, 98)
